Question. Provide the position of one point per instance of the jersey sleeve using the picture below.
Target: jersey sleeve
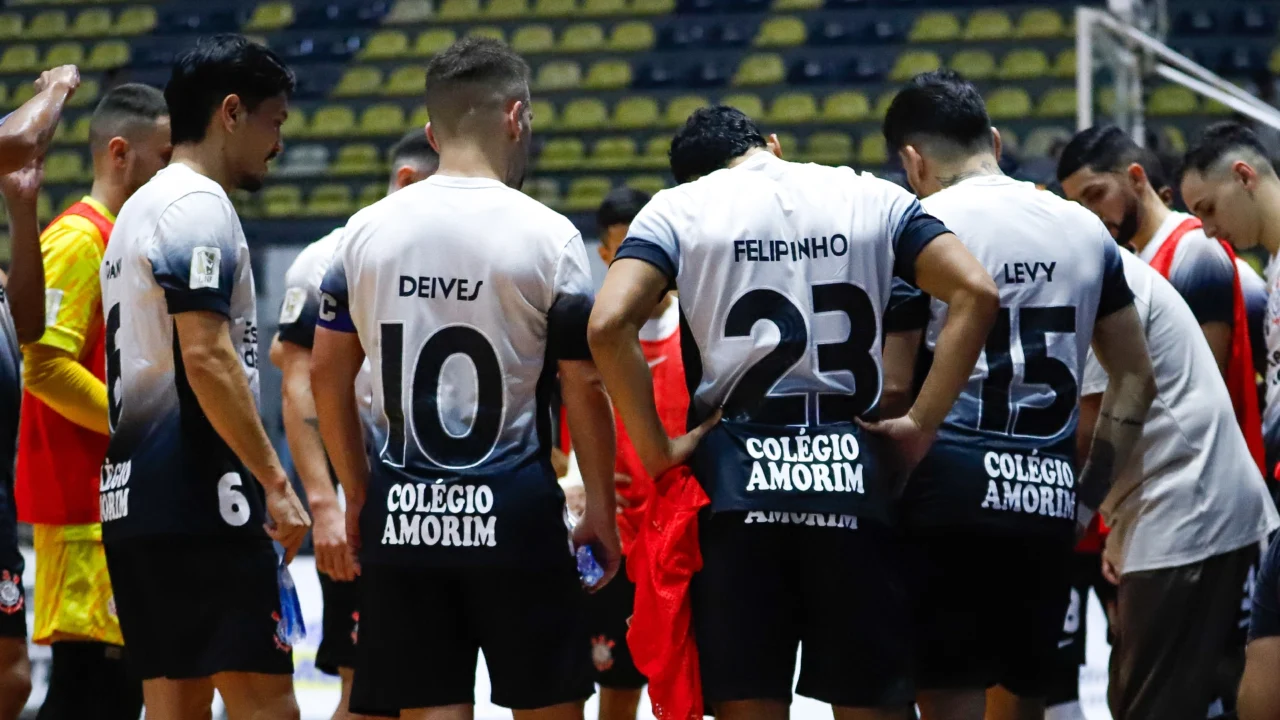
(73, 294)
(1265, 618)
(910, 229)
(908, 308)
(1205, 277)
(194, 254)
(571, 303)
(300, 308)
(1115, 294)
(652, 237)
(334, 310)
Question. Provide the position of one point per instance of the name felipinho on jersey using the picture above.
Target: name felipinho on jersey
(1029, 484)
(818, 463)
(816, 248)
(113, 498)
(438, 514)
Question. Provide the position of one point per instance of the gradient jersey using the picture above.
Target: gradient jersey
(178, 247)
(10, 408)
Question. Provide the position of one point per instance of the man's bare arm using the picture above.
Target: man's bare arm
(900, 352)
(1219, 336)
(26, 133)
(1259, 697)
(25, 284)
(301, 426)
(591, 426)
(336, 358)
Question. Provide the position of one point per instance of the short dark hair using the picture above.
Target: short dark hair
(414, 147)
(216, 67)
(471, 72)
(621, 206)
(1108, 149)
(939, 106)
(710, 138)
(1220, 139)
(122, 109)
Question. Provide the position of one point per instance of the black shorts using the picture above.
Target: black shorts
(420, 630)
(193, 606)
(608, 611)
(767, 587)
(340, 624)
(13, 595)
(1086, 575)
(989, 610)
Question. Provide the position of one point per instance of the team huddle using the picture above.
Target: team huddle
(808, 411)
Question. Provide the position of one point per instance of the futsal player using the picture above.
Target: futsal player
(192, 492)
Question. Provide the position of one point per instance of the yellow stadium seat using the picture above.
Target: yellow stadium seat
(751, 105)
(555, 8)
(1041, 140)
(631, 36)
(988, 25)
(882, 105)
(487, 31)
(612, 153)
(58, 132)
(135, 21)
(1008, 103)
(295, 126)
(561, 154)
(19, 58)
(386, 45)
(1064, 66)
(786, 31)
(873, 150)
(1023, 64)
(406, 81)
(61, 167)
(829, 148)
(21, 93)
(656, 153)
(584, 37)
(1274, 64)
(533, 39)
(1058, 102)
(91, 23)
(544, 115)
(1107, 100)
(64, 53)
(418, 118)
(1172, 100)
(361, 159)
(108, 54)
(271, 15)
(608, 75)
(652, 7)
(544, 190)
(10, 26)
(558, 75)
(912, 63)
(1040, 23)
(506, 9)
(764, 69)
(1177, 141)
(584, 114)
(78, 133)
(384, 119)
(794, 107)
(86, 95)
(333, 121)
(635, 112)
(410, 12)
(650, 184)
(680, 108)
(332, 200)
(586, 193)
(433, 41)
(935, 27)
(370, 194)
(1213, 107)
(44, 206)
(846, 107)
(602, 8)
(788, 5)
(454, 10)
(358, 81)
(48, 24)
(974, 64)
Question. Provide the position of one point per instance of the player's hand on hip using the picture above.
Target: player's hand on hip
(67, 75)
(1110, 571)
(679, 449)
(288, 521)
(905, 438)
(599, 529)
(329, 536)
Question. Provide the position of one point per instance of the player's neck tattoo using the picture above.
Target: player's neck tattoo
(988, 166)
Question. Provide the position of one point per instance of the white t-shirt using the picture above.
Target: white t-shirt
(1192, 490)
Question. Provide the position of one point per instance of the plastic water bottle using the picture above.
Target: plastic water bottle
(589, 569)
(291, 624)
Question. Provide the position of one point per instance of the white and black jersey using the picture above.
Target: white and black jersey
(464, 293)
(784, 272)
(177, 247)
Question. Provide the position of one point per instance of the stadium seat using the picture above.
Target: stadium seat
(1213, 107)
(680, 108)
(912, 63)
(608, 75)
(809, 70)
(656, 153)
(652, 7)
(282, 201)
(1064, 66)
(333, 121)
(455, 10)
(1041, 140)
(544, 190)
(935, 27)
(407, 81)
(22, 92)
(487, 31)
(1196, 22)
(583, 37)
(830, 31)
(10, 26)
(1172, 100)
(358, 81)
(1058, 102)
(750, 105)
(731, 33)
(584, 114)
(1039, 24)
(385, 45)
(295, 126)
(829, 148)
(44, 206)
(586, 193)
(1106, 101)
(1240, 61)
(707, 73)
(432, 41)
(108, 54)
(359, 159)
(561, 154)
(330, 200)
(46, 25)
(1023, 64)
(1254, 21)
(558, 75)
(873, 150)
(65, 166)
(1008, 103)
(64, 53)
(784, 31)
(382, 119)
(988, 25)
(974, 64)
(651, 184)
(135, 21)
(91, 23)
(760, 70)
(602, 8)
(631, 36)
(269, 16)
(633, 113)
(794, 107)
(846, 107)
(418, 119)
(881, 108)
(533, 39)
(506, 9)
(19, 59)
(544, 115)
(1274, 64)
(86, 95)
(302, 160)
(370, 194)
(1176, 140)
(612, 153)
(78, 131)
(885, 30)
(555, 8)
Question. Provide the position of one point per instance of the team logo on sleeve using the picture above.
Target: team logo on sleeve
(294, 300)
(205, 263)
(10, 593)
